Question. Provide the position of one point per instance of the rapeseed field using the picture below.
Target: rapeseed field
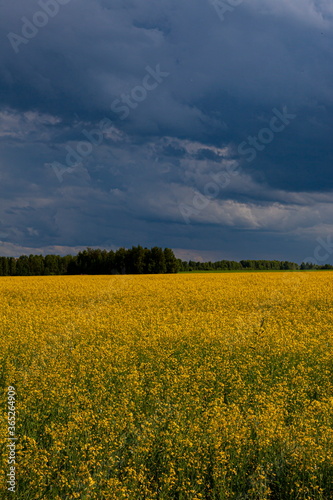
(186, 387)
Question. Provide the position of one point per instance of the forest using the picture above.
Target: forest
(136, 260)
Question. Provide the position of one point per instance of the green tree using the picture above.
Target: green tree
(22, 266)
(36, 265)
(135, 260)
(157, 261)
(4, 266)
(110, 263)
(51, 263)
(120, 261)
(12, 266)
(171, 263)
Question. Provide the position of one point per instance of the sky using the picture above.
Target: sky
(200, 125)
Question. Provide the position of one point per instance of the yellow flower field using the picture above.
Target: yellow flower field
(197, 386)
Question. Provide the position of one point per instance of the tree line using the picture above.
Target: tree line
(250, 265)
(136, 260)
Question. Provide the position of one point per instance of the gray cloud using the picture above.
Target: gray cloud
(224, 79)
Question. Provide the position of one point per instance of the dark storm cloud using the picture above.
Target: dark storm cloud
(185, 91)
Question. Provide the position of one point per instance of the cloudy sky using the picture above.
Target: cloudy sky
(204, 126)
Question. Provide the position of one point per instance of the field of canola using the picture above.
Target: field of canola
(187, 387)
